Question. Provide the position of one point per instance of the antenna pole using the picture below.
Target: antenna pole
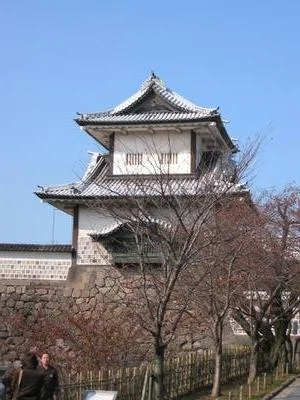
(53, 225)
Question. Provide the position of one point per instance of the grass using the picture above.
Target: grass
(240, 390)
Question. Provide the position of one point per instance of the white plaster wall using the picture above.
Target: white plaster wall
(91, 220)
(150, 145)
(34, 265)
(88, 251)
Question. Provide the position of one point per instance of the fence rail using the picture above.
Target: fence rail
(183, 375)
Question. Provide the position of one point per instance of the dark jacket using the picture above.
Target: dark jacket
(51, 382)
(7, 380)
(31, 384)
(32, 380)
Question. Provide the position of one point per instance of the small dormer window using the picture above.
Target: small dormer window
(168, 158)
(134, 158)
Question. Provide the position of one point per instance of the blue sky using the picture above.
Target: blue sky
(59, 57)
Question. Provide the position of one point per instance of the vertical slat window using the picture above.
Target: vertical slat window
(134, 158)
(168, 158)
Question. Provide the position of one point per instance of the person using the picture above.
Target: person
(6, 381)
(25, 382)
(51, 380)
(2, 391)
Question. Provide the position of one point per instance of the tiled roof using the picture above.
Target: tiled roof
(181, 108)
(153, 104)
(173, 98)
(108, 230)
(49, 248)
(100, 185)
(106, 118)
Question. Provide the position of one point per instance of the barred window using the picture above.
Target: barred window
(167, 158)
(134, 158)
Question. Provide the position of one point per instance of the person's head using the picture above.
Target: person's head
(45, 359)
(30, 360)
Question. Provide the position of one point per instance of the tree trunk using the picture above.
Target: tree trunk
(217, 375)
(278, 349)
(218, 360)
(159, 371)
(253, 362)
(295, 359)
(289, 354)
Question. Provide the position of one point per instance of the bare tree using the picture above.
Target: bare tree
(103, 339)
(223, 281)
(164, 225)
(271, 276)
(82, 339)
(251, 306)
(282, 213)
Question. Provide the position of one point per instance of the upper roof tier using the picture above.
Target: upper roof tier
(153, 104)
(152, 85)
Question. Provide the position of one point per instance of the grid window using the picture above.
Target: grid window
(134, 158)
(168, 158)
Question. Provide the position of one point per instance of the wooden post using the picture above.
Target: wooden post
(69, 385)
(80, 385)
(145, 384)
(241, 392)
(150, 388)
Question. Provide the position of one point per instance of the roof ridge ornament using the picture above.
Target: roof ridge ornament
(151, 80)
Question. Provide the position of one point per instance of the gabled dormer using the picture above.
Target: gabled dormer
(158, 131)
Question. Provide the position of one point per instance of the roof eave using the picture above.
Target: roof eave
(109, 124)
(26, 247)
(83, 123)
(53, 199)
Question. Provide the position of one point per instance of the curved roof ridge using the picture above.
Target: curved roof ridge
(96, 168)
(155, 84)
(160, 88)
(188, 105)
(145, 87)
(97, 162)
(152, 79)
(63, 186)
(95, 157)
(114, 226)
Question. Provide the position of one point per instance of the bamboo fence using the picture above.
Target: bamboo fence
(182, 375)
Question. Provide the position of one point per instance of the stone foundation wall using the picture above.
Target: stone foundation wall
(80, 293)
(28, 298)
